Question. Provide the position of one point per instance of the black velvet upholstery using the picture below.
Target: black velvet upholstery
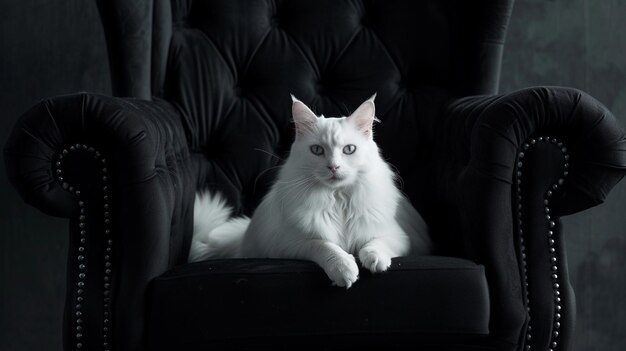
(272, 301)
(203, 103)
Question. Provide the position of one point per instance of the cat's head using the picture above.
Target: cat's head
(334, 151)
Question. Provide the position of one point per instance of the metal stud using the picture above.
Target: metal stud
(551, 223)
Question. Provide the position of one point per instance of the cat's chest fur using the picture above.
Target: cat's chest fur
(341, 218)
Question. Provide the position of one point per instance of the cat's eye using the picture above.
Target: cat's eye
(349, 149)
(317, 150)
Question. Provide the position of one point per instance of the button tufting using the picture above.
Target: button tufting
(274, 21)
(320, 88)
(366, 20)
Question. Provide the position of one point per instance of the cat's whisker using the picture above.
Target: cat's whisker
(256, 180)
(269, 153)
(301, 188)
(397, 177)
(294, 181)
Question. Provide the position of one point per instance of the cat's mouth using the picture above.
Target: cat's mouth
(336, 178)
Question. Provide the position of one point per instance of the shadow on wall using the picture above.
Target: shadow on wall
(599, 311)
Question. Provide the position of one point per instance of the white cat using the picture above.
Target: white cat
(335, 197)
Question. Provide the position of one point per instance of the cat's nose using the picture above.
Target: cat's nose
(333, 168)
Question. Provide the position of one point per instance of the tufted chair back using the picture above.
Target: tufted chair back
(229, 67)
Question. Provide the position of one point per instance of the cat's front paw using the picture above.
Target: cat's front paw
(374, 260)
(343, 270)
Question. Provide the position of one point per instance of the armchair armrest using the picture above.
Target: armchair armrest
(518, 162)
(119, 170)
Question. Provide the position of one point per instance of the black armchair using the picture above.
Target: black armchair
(202, 86)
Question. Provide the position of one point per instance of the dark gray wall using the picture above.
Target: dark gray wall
(56, 47)
(46, 48)
(582, 44)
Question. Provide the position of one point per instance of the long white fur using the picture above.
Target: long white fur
(308, 215)
(215, 233)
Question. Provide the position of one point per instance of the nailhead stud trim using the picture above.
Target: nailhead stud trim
(550, 224)
(82, 224)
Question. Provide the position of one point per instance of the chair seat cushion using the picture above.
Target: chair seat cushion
(224, 302)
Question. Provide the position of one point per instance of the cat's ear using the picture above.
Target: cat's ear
(304, 119)
(364, 116)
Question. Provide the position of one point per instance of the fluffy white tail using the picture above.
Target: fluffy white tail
(215, 233)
